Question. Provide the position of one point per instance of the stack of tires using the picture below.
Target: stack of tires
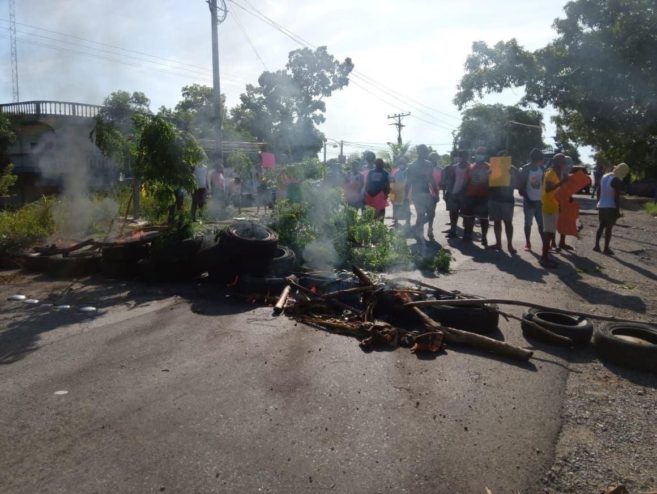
(248, 257)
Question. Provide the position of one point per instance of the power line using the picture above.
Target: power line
(246, 35)
(98, 53)
(364, 78)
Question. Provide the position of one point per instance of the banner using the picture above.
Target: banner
(267, 160)
(500, 171)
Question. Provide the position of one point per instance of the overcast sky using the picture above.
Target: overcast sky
(75, 50)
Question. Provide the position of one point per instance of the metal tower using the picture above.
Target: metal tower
(14, 52)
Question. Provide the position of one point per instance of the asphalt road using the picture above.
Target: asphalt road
(198, 393)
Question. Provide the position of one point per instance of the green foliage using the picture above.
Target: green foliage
(395, 151)
(492, 126)
(286, 105)
(7, 180)
(599, 73)
(114, 133)
(165, 157)
(7, 138)
(339, 234)
(26, 226)
(439, 263)
(651, 208)
(242, 163)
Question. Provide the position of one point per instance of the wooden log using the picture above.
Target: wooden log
(482, 301)
(474, 340)
(362, 277)
(282, 299)
(348, 291)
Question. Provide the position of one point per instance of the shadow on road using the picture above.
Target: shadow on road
(25, 324)
(570, 275)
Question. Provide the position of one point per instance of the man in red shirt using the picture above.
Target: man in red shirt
(476, 196)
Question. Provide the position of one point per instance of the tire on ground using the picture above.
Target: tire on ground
(248, 284)
(283, 262)
(577, 329)
(63, 267)
(629, 344)
(249, 246)
(473, 318)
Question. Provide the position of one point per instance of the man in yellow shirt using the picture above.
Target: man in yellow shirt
(551, 182)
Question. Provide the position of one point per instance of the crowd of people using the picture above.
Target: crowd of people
(546, 187)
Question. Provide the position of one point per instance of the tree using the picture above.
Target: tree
(394, 152)
(499, 127)
(114, 133)
(165, 157)
(285, 107)
(600, 73)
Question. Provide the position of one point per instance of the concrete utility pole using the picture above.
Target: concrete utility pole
(218, 13)
(399, 124)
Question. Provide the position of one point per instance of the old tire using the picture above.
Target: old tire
(63, 267)
(629, 344)
(283, 262)
(577, 329)
(472, 318)
(249, 247)
(125, 253)
(249, 285)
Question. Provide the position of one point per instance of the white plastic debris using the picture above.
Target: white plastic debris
(17, 298)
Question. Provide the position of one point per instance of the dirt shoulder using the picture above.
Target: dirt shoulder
(608, 437)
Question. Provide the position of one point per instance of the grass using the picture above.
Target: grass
(26, 226)
(651, 208)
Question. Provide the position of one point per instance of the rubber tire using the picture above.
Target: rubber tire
(63, 267)
(262, 285)
(119, 270)
(609, 346)
(249, 255)
(125, 253)
(576, 329)
(472, 318)
(283, 262)
(34, 263)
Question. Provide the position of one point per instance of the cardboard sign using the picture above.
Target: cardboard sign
(500, 171)
(267, 160)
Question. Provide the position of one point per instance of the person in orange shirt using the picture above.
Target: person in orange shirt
(551, 183)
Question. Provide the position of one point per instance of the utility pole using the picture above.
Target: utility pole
(14, 52)
(218, 13)
(398, 117)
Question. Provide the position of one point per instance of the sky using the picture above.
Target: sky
(408, 56)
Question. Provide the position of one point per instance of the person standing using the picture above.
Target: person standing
(453, 184)
(500, 210)
(353, 187)
(400, 208)
(198, 198)
(530, 182)
(598, 172)
(437, 173)
(551, 183)
(609, 191)
(419, 184)
(476, 197)
(377, 188)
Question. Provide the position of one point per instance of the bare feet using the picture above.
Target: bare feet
(596, 248)
(511, 250)
(528, 247)
(608, 252)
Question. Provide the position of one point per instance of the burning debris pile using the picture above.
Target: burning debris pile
(382, 314)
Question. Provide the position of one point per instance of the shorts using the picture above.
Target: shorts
(476, 206)
(500, 211)
(454, 202)
(607, 216)
(550, 222)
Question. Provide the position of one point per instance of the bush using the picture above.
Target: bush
(651, 208)
(26, 226)
(325, 233)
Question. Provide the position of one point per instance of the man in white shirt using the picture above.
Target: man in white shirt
(530, 181)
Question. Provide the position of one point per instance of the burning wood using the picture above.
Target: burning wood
(385, 316)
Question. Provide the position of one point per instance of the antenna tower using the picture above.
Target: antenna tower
(14, 52)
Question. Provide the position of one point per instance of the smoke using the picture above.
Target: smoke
(321, 255)
(68, 160)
